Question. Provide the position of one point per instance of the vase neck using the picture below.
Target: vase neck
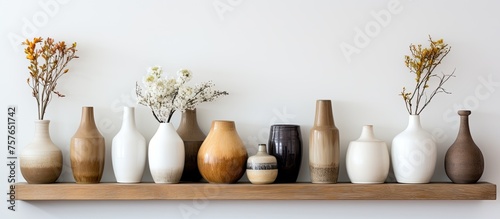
(414, 122)
(367, 133)
(128, 118)
(324, 114)
(188, 127)
(464, 130)
(262, 149)
(87, 119)
(166, 125)
(223, 125)
(42, 129)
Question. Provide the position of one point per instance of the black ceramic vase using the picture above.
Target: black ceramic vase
(285, 143)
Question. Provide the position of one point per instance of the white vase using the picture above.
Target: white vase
(414, 153)
(128, 150)
(166, 155)
(367, 158)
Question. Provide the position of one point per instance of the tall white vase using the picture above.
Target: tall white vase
(166, 155)
(367, 158)
(414, 153)
(129, 150)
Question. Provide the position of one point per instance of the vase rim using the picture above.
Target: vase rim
(229, 121)
(285, 125)
(464, 112)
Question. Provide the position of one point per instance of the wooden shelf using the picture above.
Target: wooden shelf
(246, 191)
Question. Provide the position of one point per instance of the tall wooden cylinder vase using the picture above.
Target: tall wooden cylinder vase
(324, 145)
(87, 150)
(193, 137)
(464, 162)
(41, 161)
(222, 157)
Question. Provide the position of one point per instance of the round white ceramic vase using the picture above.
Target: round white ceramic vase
(367, 158)
(128, 150)
(414, 153)
(166, 155)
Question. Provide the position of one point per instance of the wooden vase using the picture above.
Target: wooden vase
(193, 137)
(464, 162)
(87, 150)
(324, 145)
(222, 156)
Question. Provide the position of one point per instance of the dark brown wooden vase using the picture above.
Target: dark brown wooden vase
(193, 137)
(464, 162)
(222, 157)
(87, 150)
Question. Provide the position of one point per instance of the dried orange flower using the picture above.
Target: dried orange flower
(48, 61)
(422, 63)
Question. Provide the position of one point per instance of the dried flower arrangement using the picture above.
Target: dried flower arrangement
(47, 64)
(165, 95)
(422, 63)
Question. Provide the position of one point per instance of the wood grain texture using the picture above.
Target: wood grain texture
(246, 191)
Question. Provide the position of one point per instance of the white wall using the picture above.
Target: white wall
(275, 58)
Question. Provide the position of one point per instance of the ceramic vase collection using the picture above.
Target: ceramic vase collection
(41, 160)
(222, 157)
(262, 168)
(464, 162)
(128, 150)
(87, 150)
(166, 155)
(285, 143)
(413, 153)
(193, 137)
(367, 158)
(324, 145)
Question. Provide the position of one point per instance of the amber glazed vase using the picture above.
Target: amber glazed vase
(87, 150)
(222, 157)
(464, 162)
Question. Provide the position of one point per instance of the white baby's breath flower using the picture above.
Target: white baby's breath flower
(164, 95)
